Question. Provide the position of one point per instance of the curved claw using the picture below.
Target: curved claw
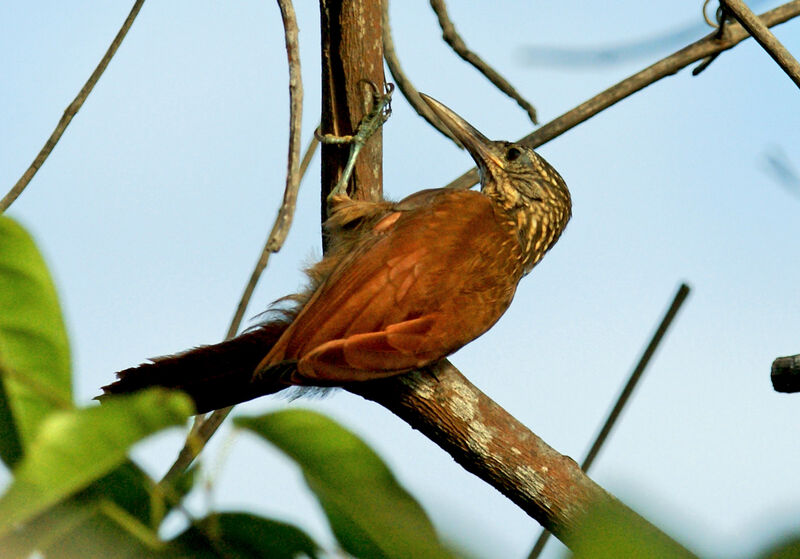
(370, 123)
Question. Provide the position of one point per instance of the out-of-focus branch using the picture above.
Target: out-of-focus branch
(71, 111)
(624, 397)
(204, 428)
(404, 84)
(786, 374)
(452, 38)
(765, 38)
(705, 47)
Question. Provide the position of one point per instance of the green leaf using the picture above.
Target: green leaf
(77, 529)
(74, 448)
(132, 490)
(47, 530)
(99, 535)
(60, 529)
(786, 550)
(34, 351)
(10, 444)
(236, 535)
(369, 512)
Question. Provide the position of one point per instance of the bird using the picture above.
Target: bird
(401, 286)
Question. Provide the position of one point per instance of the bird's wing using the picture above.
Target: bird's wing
(422, 285)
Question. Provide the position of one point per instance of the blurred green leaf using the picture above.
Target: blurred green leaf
(46, 530)
(59, 529)
(76, 447)
(100, 536)
(787, 550)
(369, 512)
(130, 488)
(34, 351)
(138, 494)
(235, 535)
(10, 443)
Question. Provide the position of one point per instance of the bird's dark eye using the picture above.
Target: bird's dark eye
(512, 154)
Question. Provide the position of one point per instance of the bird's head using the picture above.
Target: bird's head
(517, 178)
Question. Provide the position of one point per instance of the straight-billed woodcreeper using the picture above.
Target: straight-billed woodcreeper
(402, 285)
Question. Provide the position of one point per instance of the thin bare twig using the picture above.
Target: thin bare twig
(452, 38)
(70, 111)
(204, 428)
(404, 84)
(622, 400)
(698, 50)
(765, 38)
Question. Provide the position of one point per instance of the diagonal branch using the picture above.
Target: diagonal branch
(70, 111)
(204, 428)
(452, 38)
(707, 46)
(765, 38)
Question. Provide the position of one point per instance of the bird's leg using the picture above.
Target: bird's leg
(372, 121)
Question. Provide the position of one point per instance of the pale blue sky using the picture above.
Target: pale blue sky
(154, 206)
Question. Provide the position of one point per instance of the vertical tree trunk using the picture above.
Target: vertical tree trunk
(352, 57)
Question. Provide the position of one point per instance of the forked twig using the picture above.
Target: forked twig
(452, 38)
(70, 111)
(204, 428)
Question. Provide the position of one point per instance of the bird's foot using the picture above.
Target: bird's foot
(370, 123)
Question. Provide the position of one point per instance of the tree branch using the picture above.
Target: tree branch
(765, 38)
(70, 111)
(705, 47)
(452, 38)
